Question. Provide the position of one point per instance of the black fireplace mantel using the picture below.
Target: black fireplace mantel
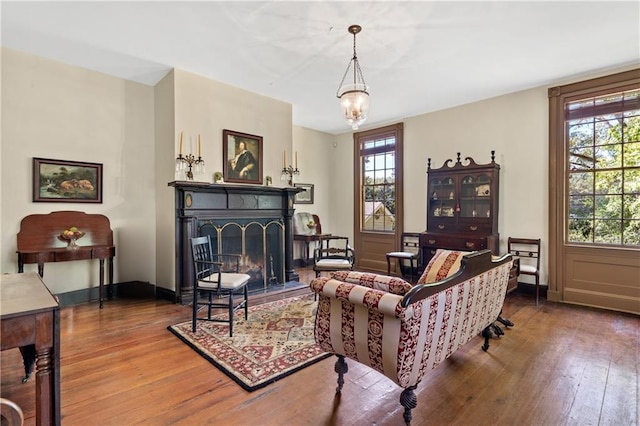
(199, 201)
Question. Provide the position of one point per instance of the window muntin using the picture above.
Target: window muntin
(378, 184)
(603, 136)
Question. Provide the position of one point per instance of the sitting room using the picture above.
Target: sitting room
(132, 128)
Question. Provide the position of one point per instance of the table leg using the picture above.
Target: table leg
(306, 258)
(110, 281)
(101, 288)
(45, 387)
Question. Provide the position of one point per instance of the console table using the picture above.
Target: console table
(39, 241)
(30, 316)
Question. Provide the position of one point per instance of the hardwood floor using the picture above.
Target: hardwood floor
(559, 365)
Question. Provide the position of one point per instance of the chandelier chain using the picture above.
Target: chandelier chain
(357, 72)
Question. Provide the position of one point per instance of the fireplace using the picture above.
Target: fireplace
(254, 222)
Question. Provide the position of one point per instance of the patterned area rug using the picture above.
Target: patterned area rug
(276, 340)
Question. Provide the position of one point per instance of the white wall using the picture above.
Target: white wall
(52, 110)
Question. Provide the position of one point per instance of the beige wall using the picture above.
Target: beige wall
(52, 110)
(205, 107)
(514, 125)
(316, 167)
(165, 171)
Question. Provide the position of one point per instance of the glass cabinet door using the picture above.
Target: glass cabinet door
(442, 197)
(475, 196)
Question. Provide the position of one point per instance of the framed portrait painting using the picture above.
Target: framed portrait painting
(66, 181)
(242, 157)
(306, 196)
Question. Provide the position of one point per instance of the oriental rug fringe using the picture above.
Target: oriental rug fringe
(276, 341)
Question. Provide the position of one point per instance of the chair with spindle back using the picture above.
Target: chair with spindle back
(217, 275)
(528, 251)
(408, 257)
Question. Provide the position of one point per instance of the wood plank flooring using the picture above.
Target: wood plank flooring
(559, 365)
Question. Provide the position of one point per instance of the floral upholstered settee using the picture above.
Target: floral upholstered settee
(403, 331)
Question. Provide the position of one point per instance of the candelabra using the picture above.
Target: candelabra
(188, 163)
(289, 174)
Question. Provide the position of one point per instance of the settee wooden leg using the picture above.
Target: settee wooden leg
(487, 333)
(341, 368)
(497, 330)
(409, 402)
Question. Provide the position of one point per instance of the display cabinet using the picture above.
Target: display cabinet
(462, 207)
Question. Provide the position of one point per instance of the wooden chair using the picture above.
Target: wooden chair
(217, 274)
(528, 251)
(410, 252)
(335, 255)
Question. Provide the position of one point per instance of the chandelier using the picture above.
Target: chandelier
(354, 96)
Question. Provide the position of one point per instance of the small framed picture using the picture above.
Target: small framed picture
(66, 181)
(306, 196)
(242, 157)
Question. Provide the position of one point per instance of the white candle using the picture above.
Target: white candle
(199, 145)
(284, 159)
(180, 143)
(296, 159)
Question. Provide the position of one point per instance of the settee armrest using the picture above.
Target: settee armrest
(471, 265)
(385, 283)
(381, 301)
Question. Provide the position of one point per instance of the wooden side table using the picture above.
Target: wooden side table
(30, 315)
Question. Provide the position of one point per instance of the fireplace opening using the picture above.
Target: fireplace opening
(259, 242)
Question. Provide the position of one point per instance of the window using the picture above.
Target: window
(377, 156)
(603, 166)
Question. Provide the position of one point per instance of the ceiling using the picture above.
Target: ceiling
(417, 56)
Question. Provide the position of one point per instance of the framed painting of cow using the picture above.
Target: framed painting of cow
(66, 181)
